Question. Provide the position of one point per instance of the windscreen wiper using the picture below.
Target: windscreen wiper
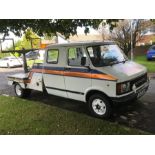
(117, 62)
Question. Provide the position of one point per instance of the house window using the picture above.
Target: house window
(52, 56)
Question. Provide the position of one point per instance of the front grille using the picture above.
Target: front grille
(139, 81)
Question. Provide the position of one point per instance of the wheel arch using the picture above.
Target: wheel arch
(94, 91)
(21, 84)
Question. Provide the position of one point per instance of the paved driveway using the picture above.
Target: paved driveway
(139, 114)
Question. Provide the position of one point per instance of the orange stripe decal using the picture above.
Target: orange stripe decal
(78, 74)
(103, 76)
(73, 74)
(53, 72)
(29, 78)
(37, 70)
(27, 81)
(48, 71)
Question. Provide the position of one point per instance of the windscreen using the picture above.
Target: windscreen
(106, 55)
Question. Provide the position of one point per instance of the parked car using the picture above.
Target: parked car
(151, 53)
(32, 55)
(11, 62)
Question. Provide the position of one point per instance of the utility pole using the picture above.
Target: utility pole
(131, 40)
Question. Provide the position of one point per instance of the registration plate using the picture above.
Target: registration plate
(141, 92)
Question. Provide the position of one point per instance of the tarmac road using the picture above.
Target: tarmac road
(4, 72)
(150, 95)
(139, 114)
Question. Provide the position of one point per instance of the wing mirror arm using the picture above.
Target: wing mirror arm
(88, 67)
(83, 63)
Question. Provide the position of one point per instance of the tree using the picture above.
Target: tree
(25, 42)
(50, 26)
(103, 29)
(122, 33)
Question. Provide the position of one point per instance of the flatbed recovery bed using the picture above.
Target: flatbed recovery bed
(21, 78)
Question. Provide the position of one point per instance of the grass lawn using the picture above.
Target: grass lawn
(20, 116)
(149, 64)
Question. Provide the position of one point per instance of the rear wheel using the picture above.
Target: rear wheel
(100, 106)
(20, 92)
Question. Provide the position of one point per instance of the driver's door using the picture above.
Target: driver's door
(77, 77)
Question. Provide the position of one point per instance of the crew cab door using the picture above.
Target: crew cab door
(53, 72)
(77, 76)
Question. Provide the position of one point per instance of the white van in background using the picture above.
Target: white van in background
(11, 62)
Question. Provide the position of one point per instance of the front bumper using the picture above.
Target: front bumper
(139, 92)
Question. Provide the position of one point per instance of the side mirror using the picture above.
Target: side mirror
(83, 61)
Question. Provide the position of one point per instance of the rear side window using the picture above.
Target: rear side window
(52, 56)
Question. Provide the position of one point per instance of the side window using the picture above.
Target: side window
(72, 53)
(95, 54)
(77, 57)
(52, 56)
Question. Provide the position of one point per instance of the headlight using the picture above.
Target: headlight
(123, 88)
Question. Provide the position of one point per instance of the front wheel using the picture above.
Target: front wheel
(20, 92)
(100, 106)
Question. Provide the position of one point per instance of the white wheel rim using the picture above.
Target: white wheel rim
(18, 90)
(99, 106)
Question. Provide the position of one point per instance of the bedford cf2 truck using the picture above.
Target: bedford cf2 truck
(97, 73)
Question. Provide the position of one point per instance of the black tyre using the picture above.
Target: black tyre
(20, 92)
(133, 100)
(100, 106)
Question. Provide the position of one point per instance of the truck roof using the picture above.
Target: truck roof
(92, 43)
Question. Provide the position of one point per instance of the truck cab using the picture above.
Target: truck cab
(97, 73)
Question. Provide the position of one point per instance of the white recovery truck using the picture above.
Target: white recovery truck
(98, 73)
